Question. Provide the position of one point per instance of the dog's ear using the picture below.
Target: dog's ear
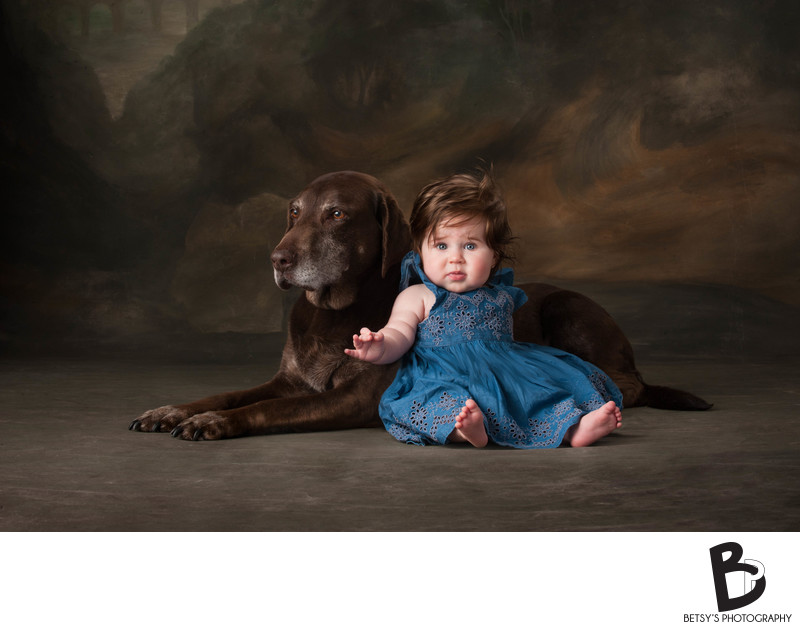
(396, 234)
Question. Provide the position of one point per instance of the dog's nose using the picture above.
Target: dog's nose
(282, 259)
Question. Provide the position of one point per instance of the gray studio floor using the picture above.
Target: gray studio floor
(69, 463)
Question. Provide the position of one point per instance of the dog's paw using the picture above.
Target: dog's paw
(159, 420)
(204, 426)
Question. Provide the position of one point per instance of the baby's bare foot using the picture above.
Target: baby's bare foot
(469, 426)
(594, 425)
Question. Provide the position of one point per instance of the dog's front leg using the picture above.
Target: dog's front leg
(350, 405)
(165, 419)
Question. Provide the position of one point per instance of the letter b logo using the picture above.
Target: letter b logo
(753, 588)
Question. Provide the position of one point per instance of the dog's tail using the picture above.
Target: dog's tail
(661, 397)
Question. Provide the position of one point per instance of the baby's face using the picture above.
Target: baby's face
(456, 256)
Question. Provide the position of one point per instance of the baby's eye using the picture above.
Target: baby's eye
(441, 246)
(469, 246)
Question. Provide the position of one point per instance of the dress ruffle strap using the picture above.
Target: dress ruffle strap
(411, 273)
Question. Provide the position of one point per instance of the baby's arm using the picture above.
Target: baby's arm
(393, 340)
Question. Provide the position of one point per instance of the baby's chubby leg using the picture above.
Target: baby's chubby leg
(469, 426)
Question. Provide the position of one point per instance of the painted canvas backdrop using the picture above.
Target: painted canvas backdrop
(146, 166)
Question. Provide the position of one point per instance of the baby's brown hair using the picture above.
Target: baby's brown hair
(469, 196)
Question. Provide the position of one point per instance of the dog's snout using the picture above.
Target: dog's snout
(282, 259)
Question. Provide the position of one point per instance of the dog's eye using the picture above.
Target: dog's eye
(337, 214)
(294, 213)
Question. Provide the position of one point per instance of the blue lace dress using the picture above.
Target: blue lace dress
(529, 394)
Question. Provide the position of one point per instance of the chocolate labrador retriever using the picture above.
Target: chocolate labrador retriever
(343, 245)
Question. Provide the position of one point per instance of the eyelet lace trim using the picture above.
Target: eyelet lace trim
(433, 422)
(429, 423)
(466, 316)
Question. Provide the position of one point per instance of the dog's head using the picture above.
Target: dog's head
(343, 227)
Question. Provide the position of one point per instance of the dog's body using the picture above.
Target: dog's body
(343, 246)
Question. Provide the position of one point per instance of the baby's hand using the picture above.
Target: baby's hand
(368, 346)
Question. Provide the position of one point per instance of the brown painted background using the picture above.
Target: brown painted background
(146, 168)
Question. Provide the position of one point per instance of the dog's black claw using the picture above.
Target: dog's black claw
(197, 436)
(175, 432)
(156, 427)
(134, 426)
